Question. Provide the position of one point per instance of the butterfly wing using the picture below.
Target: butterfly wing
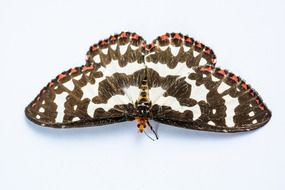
(101, 92)
(187, 90)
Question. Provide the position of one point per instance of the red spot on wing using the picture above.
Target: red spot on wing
(261, 106)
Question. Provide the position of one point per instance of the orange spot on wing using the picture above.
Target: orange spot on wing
(177, 36)
(199, 45)
(234, 78)
(189, 40)
(208, 51)
(135, 36)
(51, 84)
(73, 70)
(244, 86)
(123, 35)
(94, 48)
(164, 37)
(113, 38)
(61, 76)
(207, 69)
(222, 72)
(86, 68)
(104, 42)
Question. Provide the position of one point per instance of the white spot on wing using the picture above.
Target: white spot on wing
(69, 85)
(59, 101)
(97, 58)
(254, 121)
(105, 51)
(251, 114)
(75, 119)
(78, 77)
(186, 48)
(123, 48)
(211, 123)
(203, 61)
(198, 93)
(41, 110)
(174, 50)
(195, 53)
(91, 90)
(114, 46)
(38, 116)
(163, 48)
(215, 79)
(231, 103)
(134, 47)
(223, 87)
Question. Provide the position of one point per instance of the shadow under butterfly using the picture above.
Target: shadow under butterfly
(173, 81)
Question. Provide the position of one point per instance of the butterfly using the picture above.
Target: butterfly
(173, 81)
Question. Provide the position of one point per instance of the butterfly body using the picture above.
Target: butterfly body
(173, 80)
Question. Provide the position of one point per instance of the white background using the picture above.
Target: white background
(38, 40)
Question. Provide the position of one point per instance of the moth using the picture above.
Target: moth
(173, 81)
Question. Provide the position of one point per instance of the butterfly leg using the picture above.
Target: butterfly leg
(151, 128)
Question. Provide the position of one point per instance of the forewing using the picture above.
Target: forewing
(102, 91)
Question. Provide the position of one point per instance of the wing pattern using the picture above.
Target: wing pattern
(185, 88)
